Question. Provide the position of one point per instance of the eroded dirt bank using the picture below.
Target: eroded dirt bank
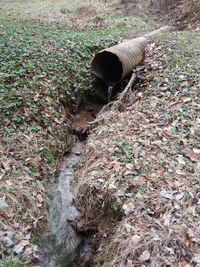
(138, 181)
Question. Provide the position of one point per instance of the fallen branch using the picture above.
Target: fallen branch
(125, 94)
(162, 29)
(120, 102)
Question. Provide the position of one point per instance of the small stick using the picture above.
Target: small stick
(124, 94)
(116, 104)
(162, 29)
(129, 85)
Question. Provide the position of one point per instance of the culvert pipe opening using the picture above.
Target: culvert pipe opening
(107, 66)
(113, 64)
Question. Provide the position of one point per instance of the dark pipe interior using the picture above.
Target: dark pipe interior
(107, 67)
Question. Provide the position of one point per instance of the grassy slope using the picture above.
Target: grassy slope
(141, 165)
(43, 76)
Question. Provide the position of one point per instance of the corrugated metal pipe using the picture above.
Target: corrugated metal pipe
(114, 63)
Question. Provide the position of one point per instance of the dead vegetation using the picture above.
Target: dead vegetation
(190, 14)
(143, 163)
(85, 12)
(179, 12)
(27, 166)
(87, 16)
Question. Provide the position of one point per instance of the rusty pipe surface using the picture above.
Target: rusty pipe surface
(114, 63)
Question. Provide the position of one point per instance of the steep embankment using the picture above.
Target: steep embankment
(184, 13)
(138, 183)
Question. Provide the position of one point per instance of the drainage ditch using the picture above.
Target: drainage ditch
(64, 245)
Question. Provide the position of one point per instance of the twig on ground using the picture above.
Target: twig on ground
(162, 29)
(122, 99)
(125, 95)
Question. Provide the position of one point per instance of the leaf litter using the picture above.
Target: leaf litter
(36, 103)
(140, 168)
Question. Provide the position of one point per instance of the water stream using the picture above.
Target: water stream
(62, 241)
(110, 91)
(63, 245)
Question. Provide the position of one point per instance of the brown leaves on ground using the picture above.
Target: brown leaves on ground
(150, 175)
(116, 165)
(27, 160)
(191, 154)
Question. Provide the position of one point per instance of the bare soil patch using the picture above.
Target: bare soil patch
(179, 12)
(85, 13)
(87, 16)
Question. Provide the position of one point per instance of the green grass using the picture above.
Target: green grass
(33, 54)
(22, 6)
(180, 57)
(45, 61)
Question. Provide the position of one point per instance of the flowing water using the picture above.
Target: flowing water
(63, 245)
(63, 242)
(110, 91)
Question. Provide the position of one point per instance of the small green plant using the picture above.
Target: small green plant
(159, 36)
(115, 206)
(123, 151)
(105, 257)
(178, 62)
(36, 235)
(13, 262)
(121, 24)
(46, 152)
(197, 10)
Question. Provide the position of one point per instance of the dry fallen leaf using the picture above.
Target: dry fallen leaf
(6, 163)
(166, 194)
(128, 208)
(190, 154)
(190, 233)
(160, 170)
(196, 258)
(116, 165)
(48, 99)
(20, 247)
(9, 183)
(180, 160)
(180, 196)
(40, 198)
(3, 204)
(145, 256)
(27, 251)
(129, 166)
(180, 172)
(196, 150)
